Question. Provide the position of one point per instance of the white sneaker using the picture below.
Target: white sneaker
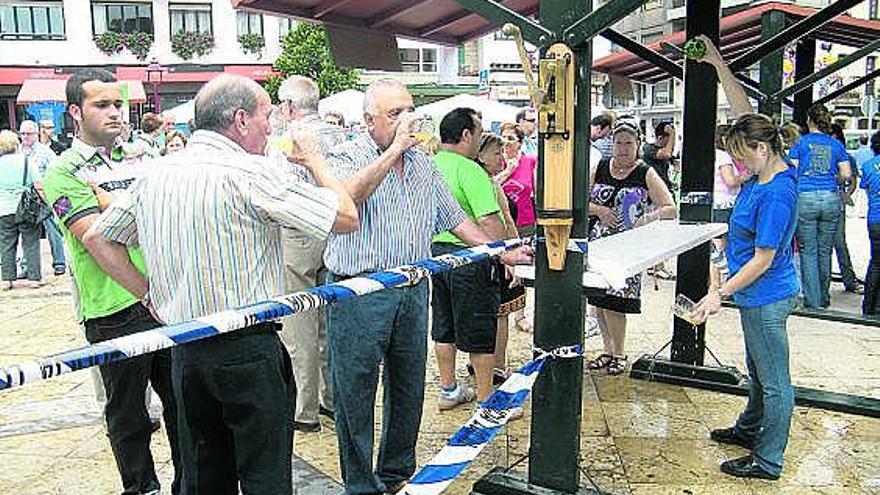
(462, 395)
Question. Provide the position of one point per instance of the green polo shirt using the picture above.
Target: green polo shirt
(67, 190)
(470, 185)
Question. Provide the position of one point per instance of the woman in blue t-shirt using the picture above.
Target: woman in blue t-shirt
(871, 184)
(763, 281)
(822, 164)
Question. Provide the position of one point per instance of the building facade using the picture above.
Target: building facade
(191, 41)
(662, 101)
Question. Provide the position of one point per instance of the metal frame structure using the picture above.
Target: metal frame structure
(686, 363)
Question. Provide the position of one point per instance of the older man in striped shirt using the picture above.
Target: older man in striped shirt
(209, 221)
(305, 335)
(402, 202)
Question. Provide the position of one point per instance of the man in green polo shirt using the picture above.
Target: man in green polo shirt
(465, 301)
(79, 186)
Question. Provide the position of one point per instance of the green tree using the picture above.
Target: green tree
(306, 52)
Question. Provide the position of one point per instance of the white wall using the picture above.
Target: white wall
(79, 47)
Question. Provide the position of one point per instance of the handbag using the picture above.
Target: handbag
(31, 208)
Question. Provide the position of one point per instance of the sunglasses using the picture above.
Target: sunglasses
(532, 120)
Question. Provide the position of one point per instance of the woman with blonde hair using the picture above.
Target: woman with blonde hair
(16, 175)
(513, 296)
(763, 282)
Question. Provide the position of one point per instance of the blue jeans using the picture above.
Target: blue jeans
(818, 215)
(56, 242)
(390, 327)
(767, 417)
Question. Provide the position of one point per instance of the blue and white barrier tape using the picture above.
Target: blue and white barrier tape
(481, 429)
(169, 336)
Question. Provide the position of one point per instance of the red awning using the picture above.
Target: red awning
(740, 32)
(36, 90)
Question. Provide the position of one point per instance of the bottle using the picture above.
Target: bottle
(695, 49)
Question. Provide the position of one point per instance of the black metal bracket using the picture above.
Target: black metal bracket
(728, 379)
(494, 11)
(588, 26)
(501, 482)
(797, 30)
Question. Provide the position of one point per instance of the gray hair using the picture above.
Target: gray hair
(373, 89)
(28, 125)
(301, 92)
(219, 99)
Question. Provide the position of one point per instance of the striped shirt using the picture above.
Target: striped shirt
(401, 216)
(208, 221)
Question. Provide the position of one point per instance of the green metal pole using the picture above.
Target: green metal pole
(559, 304)
(772, 23)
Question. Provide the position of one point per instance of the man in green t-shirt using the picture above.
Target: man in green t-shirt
(465, 300)
(80, 184)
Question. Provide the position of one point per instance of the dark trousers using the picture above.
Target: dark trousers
(843, 259)
(235, 396)
(387, 331)
(30, 241)
(128, 422)
(872, 279)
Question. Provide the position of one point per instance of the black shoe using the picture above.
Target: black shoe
(306, 427)
(323, 411)
(155, 424)
(745, 467)
(60, 270)
(731, 437)
(392, 488)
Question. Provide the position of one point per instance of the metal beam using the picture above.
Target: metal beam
(772, 23)
(661, 62)
(797, 30)
(598, 20)
(808, 81)
(849, 87)
(699, 116)
(805, 64)
(388, 16)
(325, 8)
(493, 11)
(442, 23)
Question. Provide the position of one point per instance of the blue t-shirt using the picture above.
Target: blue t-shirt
(765, 216)
(871, 184)
(818, 155)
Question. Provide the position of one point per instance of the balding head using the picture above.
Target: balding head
(380, 89)
(236, 107)
(384, 101)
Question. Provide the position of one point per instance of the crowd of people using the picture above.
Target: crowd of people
(254, 200)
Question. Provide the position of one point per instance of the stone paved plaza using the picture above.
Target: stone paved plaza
(636, 437)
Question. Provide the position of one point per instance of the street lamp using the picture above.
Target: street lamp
(154, 74)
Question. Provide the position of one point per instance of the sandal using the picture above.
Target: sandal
(600, 362)
(617, 365)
